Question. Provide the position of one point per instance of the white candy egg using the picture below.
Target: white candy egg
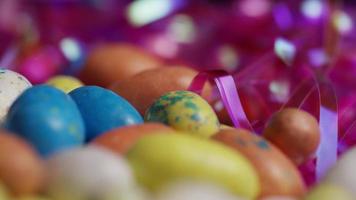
(194, 190)
(88, 173)
(343, 173)
(12, 85)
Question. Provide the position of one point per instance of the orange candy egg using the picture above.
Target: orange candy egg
(277, 173)
(112, 62)
(21, 169)
(295, 132)
(120, 140)
(144, 88)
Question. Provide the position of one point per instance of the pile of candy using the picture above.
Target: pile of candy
(168, 101)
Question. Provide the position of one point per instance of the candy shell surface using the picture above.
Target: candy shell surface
(103, 110)
(156, 82)
(190, 190)
(326, 191)
(162, 159)
(88, 173)
(47, 118)
(108, 63)
(342, 174)
(65, 83)
(184, 111)
(120, 140)
(21, 169)
(12, 85)
(277, 173)
(295, 132)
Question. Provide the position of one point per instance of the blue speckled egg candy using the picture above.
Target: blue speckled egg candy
(103, 110)
(47, 118)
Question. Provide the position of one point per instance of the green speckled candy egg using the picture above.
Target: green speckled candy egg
(185, 111)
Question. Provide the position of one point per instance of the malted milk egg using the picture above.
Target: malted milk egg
(12, 85)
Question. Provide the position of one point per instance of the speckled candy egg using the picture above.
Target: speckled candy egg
(343, 173)
(108, 63)
(190, 190)
(161, 159)
(65, 83)
(120, 140)
(21, 169)
(12, 85)
(88, 173)
(277, 173)
(185, 111)
(47, 118)
(103, 110)
(295, 132)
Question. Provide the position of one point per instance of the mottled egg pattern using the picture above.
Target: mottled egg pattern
(185, 111)
(12, 85)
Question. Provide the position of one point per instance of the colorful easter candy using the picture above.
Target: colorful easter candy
(295, 132)
(329, 192)
(342, 174)
(88, 173)
(47, 118)
(184, 111)
(156, 83)
(3, 192)
(21, 169)
(32, 198)
(120, 140)
(12, 85)
(64, 83)
(278, 175)
(103, 110)
(113, 62)
(190, 190)
(160, 159)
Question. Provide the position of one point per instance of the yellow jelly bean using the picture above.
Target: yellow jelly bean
(65, 83)
(184, 111)
(3, 193)
(161, 159)
(328, 192)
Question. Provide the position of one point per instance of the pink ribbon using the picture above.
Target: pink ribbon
(228, 92)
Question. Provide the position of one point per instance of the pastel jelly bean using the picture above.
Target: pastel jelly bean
(88, 173)
(103, 110)
(64, 83)
(47, 118)
(162, 159)
(120, 140)
(21, 169)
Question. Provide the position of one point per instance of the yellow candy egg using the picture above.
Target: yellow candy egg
(32, 198)
(65, 83)
(161, 159)
(328, 192)
(3, 192)
(184, 111)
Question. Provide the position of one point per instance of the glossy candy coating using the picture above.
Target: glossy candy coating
(47, 118)
(161, 159)
(326, 191)
(295, 132)
(120, 140)
(144, 88)
(103, 110)
(277, 173)
(88, 173)
(21, 169)
(12, 85)
(64, 83)
(109, 63)
(184, 111)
